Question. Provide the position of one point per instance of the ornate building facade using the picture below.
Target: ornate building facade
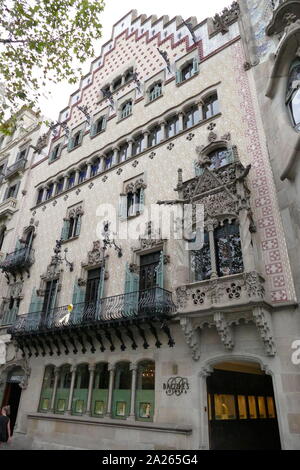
(128, 337)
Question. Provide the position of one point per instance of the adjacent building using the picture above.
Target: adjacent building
(129, 335)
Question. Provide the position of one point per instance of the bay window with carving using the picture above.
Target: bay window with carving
(293, 93)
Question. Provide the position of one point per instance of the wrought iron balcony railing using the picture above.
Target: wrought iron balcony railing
(155, 302)
(17, 166)
(18, 260)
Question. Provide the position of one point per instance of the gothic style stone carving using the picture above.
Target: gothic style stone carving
(75, 211)
(23, 364)
(151, 238)
(135, 185)
(224, 330)
(42, 142)
(95, 256)
(285, 18)
(254, 284)
(222, 21)
(191, 337)
(263, 321)
(182, 295)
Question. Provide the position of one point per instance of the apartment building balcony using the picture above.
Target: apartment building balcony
(17, 167)
(8, 207)
(110, 322)
(18, 261)
(228, 292)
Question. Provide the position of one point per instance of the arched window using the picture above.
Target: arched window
(82, 174)
(40, 196)
(100, 389)
(155, 91)
(128, 75)
(63, 389)
(145, 391)
(81, 386)
(122, 391)
(126, 109)
(71, 180)
(95, 166)
(123, 152)
(47, 389)
(293, 93)
(49, 191)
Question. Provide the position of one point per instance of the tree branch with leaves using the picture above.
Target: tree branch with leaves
(40, 41)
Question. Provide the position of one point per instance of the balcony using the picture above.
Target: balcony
(226, 292)
(112, 319)
(17, 167)
(18, 261)
(8, 207)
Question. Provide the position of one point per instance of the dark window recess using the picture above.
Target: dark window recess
(228, 250)
(21, 154)
(40, 196)
(154, 136)
(100, 125)
(117, 83)
(108, 160)
(187, 71)
(49, 297)
(148, 265)
(172, 126)
(137, 146)
(123, 376)
(71, 180)
(60, 185)
(211, 106)
(201, 262)
(95, 167)
(192, 117)
(101, 376)
(92, 286)
(128, 75)
(82, 175)
(2, 235)
(11, 191)
(76, 141)
(49, 192)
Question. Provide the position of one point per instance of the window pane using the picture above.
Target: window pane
(295, 107)
(228, 250)
(271, 407)
(262, 407)
(242, 407)
(224, 407)
(252, 407)
(201, 261)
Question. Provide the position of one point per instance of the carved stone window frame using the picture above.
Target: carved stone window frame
(94, 260)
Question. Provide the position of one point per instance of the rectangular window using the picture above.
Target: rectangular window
(271, 407)
(242, 407)
(262, 407)
(252, 407)
(11, 191)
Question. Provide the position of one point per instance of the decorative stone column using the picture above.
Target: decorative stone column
(111, 369)
(145, 141)
(163, 125)
(123, 79)
(73, 371)
(246, 241)
(54, 188)
(133, 368)
(180, 124)
(76, 177)
(200, 105)
(44, 194)
(115, 157)
(90, 391)
(89, 170)
(129, 150)
(56, 376)
(210, 228)
(66, 177)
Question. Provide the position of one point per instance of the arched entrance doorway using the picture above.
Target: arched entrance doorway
(12, 393)
(241, 408)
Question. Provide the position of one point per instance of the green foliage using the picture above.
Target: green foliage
(43, 40)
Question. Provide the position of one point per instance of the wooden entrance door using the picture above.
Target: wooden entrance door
(242, 413)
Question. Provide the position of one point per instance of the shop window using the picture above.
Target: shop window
(63, 389)
(211, 106)
(100, 389)
(47, 389)
(145, 393)
(80, 394)
(122, 391)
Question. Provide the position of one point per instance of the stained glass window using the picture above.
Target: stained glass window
(201, 261)
(228, 250)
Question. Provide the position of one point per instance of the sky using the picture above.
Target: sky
(115, 10)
